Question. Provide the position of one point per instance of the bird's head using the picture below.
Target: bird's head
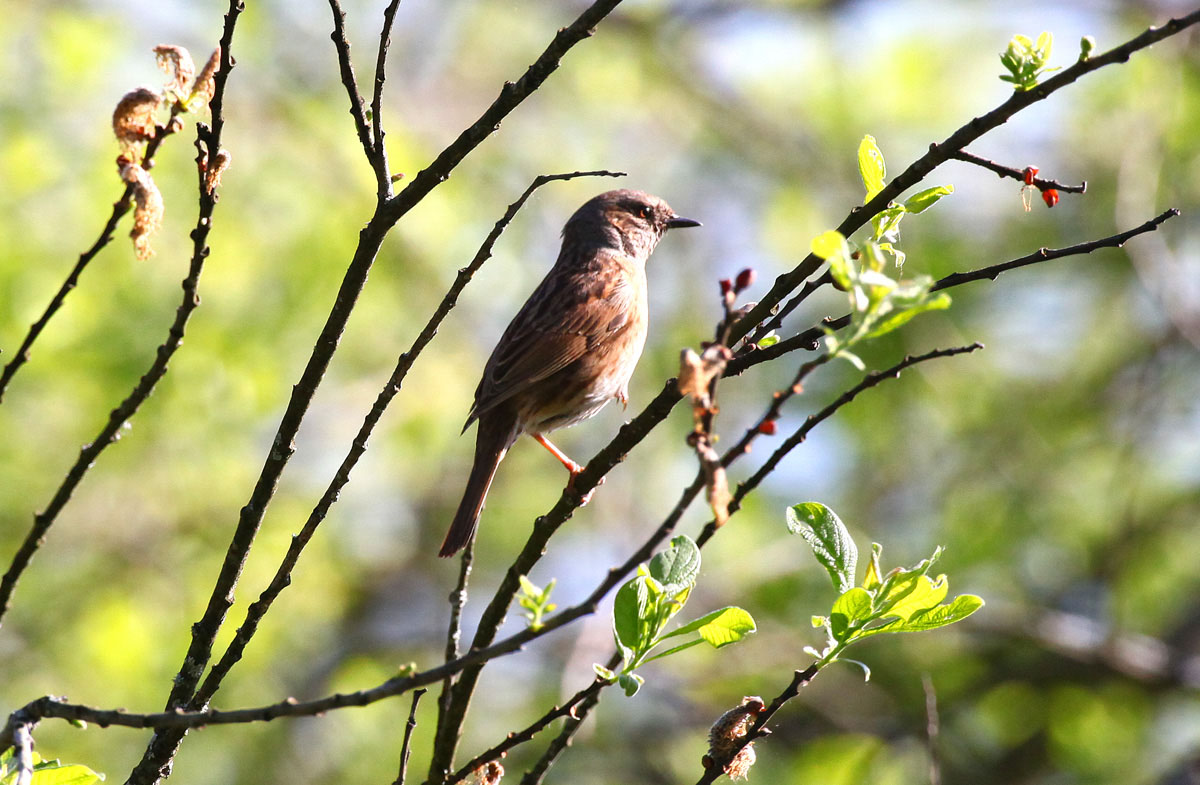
(629, 221)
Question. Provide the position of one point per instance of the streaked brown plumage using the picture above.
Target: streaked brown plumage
(573, 345)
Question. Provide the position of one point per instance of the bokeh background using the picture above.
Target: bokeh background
(1060, 467)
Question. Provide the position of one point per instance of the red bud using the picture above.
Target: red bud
(1050, 197)
(767, 428)
(1030, 171)
(745, 279)
(726, 286)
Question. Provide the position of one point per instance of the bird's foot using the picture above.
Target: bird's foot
(584, 498)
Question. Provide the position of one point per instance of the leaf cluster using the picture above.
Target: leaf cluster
(1026, 60)
(905, 599)
(646, 603)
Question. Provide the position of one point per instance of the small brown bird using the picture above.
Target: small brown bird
(572, 346)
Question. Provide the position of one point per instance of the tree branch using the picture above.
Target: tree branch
(809, 338)
(940, 153)
(1002, 171)
(520, 737)
(406, 745)
(119, 209)
(800, 679)
(385, 41)
(383, 182)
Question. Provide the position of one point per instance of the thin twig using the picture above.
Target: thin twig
(1047, 254)
(357, 111)
(406, 745)
(385, 41)
(207, 143)
(1041, 183)
(560, 742)
(458, 599)
(813, 420)
(156, 761)
(568, 709)
(800, 679)
(806, 291)
(119, 209)
(939, 153)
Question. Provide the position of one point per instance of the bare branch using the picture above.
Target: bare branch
(385, 41)
(342, 44)
(800, 679)
(119, 209)
(525, 734)
(870, 380)
(572, 725)
(1002, 171)
(406, 745)
(1048, 254)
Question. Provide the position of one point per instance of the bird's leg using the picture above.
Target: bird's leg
(572, 467)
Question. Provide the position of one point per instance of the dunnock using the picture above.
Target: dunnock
(572, 346)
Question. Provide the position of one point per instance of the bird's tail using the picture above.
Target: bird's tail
(491, 444)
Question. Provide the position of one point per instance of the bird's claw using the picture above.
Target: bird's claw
(584, 498)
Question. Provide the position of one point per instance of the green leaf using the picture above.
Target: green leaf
(719, 628)
(871, 581)
(678, 566)
(72, 774)
(830, 541)
(630, 608)
(850, 611)
(923, 200)
(886, 223)
(768, 340)
(830, 244)
(956, 610)
(870, 166)
(926, 593)
(854, 604)
(898, 318)
(631, 683)
(604, 672)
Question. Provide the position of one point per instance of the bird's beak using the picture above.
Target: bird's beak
(677, 222)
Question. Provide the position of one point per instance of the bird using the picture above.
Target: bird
(572, 346)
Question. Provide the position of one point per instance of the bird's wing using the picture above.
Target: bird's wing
(567, 315)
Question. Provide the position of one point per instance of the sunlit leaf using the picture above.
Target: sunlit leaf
(678, 566)
(923, 200)
(630, 683)
(870, 166)
(829, 539)
(897, 319)
(719, 628)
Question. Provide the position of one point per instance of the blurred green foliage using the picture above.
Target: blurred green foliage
(1060, 468)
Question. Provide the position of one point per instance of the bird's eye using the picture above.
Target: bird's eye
(645, 212)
